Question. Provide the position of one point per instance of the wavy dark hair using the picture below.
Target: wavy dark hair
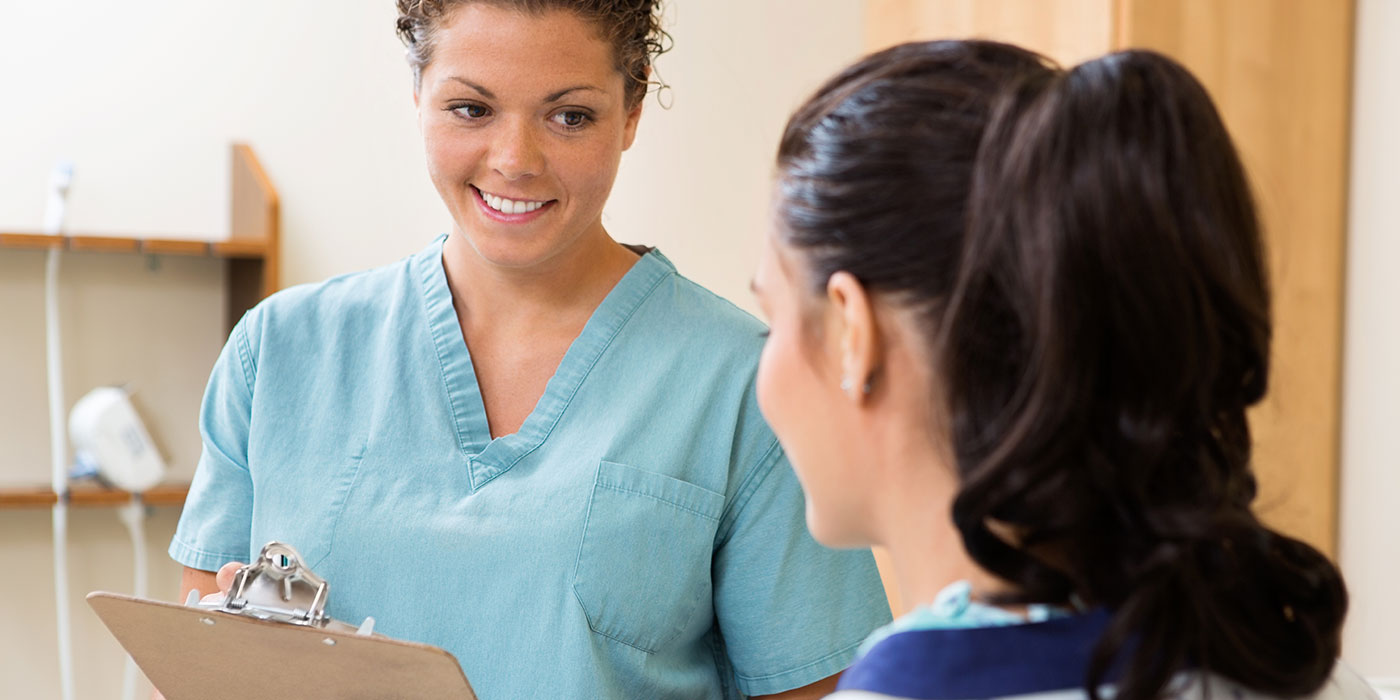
(632, 27)
(1084, 249)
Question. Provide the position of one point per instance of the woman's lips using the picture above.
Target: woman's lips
(511, 211)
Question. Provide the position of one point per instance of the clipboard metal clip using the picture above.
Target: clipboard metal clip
(280, 588)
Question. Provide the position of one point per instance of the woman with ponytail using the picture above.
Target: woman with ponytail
(1018, 315)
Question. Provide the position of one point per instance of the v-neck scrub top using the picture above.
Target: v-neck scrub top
(640, 536)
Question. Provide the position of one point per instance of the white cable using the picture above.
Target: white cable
(60, 592)
(58, 449)
(133, 515)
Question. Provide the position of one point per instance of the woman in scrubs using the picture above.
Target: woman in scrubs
(1018, 317)
(528, 444)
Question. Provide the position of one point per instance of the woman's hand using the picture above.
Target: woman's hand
(223, 580)
(207, 582)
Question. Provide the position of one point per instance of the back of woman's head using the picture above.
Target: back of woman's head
(1085, 251)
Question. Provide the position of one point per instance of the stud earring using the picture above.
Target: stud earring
(848, 387)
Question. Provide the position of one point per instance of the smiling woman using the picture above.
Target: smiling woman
(524, 151)
(554, 435)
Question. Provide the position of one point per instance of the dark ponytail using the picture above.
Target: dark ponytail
(1094, 285)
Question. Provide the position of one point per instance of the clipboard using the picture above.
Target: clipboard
(198, 652)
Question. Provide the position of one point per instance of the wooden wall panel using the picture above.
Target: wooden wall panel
(1280, 73)
(1068, 31)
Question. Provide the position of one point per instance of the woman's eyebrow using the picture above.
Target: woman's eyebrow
(555, 97)
(484, 92)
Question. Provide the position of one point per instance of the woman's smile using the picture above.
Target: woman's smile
(508, 210)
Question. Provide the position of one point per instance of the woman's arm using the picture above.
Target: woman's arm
(205, 582)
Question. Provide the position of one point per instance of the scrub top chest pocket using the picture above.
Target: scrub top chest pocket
(643, 566)
(287, 509)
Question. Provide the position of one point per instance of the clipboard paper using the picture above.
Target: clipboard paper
(190, 653)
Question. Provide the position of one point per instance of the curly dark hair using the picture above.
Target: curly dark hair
(632, 27)
(1083, 247)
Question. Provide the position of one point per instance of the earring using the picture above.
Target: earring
(848, 386)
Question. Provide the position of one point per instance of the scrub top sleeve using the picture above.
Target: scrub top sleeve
(791, 612)
(215, 525)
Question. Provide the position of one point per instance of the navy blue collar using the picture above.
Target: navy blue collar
(982, 662)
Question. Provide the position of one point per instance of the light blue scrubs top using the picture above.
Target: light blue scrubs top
(641, 536)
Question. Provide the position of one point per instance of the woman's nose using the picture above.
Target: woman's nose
(515, 153)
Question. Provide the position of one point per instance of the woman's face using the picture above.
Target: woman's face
(524, 122)
(800, 394)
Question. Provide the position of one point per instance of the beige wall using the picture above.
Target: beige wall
(147, 109)
(1370, 522)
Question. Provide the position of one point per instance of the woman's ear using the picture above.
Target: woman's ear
(851, 326)
(634, 116)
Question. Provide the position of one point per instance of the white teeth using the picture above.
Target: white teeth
(510, 206)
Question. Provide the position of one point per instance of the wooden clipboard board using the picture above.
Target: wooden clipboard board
(191, 653)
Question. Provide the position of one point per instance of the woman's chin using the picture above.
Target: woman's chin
(520, 252)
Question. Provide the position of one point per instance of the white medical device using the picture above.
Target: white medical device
(109, 438)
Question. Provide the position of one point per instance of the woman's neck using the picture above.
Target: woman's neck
(916, 528)
(927, 554)
(917, 477)
(561, 289)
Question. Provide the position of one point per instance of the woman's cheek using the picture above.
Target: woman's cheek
(769, 387)
(791, 398)
(785, 397)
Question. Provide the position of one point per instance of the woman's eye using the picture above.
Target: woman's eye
(572, 119)
(472, 111)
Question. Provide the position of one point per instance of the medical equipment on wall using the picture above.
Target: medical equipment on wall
(110, 441)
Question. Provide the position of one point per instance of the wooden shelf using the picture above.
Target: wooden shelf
(249, 254)
(231, 249)
(89, 496)
(250, 258)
